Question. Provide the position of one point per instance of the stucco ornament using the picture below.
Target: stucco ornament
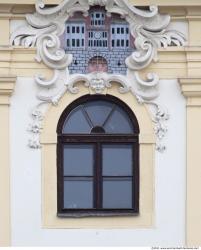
(35, 128)
(148, 27)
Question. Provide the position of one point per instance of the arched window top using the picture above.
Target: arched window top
(97, 63)
(98, 115)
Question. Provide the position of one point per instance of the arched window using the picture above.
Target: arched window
(98, 158)
(97, 64)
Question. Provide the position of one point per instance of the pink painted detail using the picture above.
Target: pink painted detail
(97, 64)
(132, 42)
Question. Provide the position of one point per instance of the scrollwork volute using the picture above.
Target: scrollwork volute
(148, 27)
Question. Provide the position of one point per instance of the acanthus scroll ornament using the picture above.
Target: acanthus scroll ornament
(148, 27)
(144, 91)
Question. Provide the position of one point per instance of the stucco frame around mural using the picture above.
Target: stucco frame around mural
(149, 28)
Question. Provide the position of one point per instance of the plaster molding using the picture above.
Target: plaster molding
(35, 129)
(97, 82)
(148, 27)
(7, 84)
(160, 116)
(191, 87)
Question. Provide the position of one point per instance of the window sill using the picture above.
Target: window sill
(97, 214)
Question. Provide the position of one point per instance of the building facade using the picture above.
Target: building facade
(100, 123)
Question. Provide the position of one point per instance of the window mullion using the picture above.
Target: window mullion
(98, 176)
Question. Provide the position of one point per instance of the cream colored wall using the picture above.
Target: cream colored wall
(191, 89)
(173, 63)
(6, 88)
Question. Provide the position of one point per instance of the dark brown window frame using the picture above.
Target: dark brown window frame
(97, 140)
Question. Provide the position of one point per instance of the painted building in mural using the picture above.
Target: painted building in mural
(95, 151)
(98, 42)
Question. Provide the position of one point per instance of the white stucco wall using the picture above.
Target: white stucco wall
(170, 186)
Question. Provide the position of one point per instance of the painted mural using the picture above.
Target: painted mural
(99, 42)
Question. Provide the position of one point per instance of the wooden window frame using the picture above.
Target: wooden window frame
(97, 140)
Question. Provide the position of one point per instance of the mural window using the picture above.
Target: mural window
(97, 18)
(75, 37)
(98, 161)
(97, 64)
(120, 36)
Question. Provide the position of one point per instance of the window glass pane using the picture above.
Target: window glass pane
(117, 194)
(98, 111)
(68, 42)
(73, 42)
(117, 160)
(76, 123)
(78, 194)
(127, 43)
(78, 160)
(78, 43)
(119, 122)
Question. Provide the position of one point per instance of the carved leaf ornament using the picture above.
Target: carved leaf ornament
(148, 27)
